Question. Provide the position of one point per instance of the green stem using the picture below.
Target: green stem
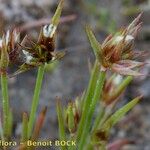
(123, 85)
(87, 99)
(4, 85)
(72, 138)
(119, 90)
(1, 132)
(35, 100)
(61, 123)
(97, 94)
(10, 123)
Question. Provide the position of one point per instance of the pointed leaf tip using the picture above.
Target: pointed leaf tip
(56, 17)
(94, 43)
(39, 124)
(120, 113)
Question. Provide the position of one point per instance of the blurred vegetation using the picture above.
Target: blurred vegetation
(101, 15)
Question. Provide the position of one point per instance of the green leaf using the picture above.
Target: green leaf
(94, 43)
(121, 87)
(91, 109)
(1, 132)
(71, 122)
(10, 123)
(61, 123)
(120, 113)
(35, 101)
(87, 98)
(56, 17)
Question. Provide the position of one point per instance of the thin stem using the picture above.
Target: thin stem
(10, 123)
(35, 100)
(61, 123)
(72, 138)
(96, 97)
(1, 132)
(87, 99)
(121, 87)
(4, 85)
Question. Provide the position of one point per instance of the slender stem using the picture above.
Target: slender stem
(35, 100)
(10, 123)
(61, 123)
(122, 86)
(1, 132)
(72, 138)
(97, 94)
(117, 92)
(87, 99)
(4, 85)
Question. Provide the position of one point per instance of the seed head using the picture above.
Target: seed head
(116, 52)
(8, 48)
(43, 51)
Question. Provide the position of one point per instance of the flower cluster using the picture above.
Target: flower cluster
(41, 52)
(9, 49)
(33, 54)
(116, 52)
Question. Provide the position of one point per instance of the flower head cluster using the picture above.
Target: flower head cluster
(34, 54)
(41, 52)
(116, 52)
(9, 49)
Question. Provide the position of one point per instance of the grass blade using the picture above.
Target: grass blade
(4, 86)
(10, 123)
(120, 113)
(87, 99)
(89, 115)
(61, 123)
(94, 43)
(35, 101)
(56, 17)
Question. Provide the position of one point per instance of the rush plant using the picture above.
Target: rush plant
(38, 55)
(88, 119)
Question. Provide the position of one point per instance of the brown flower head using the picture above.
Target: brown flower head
(117, 51)
(9, 51)
(42, 52)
